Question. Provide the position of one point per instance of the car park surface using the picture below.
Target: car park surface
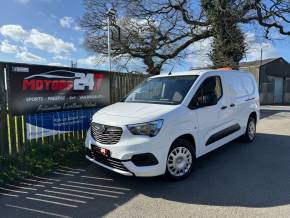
(236, 180)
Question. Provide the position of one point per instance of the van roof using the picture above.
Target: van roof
(193, 72)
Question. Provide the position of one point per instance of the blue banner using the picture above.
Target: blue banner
(48, 124)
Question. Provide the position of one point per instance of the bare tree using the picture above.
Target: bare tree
(270, 14)
(151, 31)
(157, 31)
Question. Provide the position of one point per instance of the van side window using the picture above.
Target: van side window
(208, 93)
(248, 83)
(237, 87)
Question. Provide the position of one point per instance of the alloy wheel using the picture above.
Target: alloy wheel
(252, 129)
(179, 161)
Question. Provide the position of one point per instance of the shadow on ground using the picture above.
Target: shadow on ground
(246, 175)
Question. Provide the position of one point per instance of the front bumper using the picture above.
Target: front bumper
(123, 172)
(122, 153)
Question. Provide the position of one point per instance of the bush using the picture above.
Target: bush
(40, 160)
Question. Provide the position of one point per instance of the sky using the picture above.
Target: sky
(47, 32)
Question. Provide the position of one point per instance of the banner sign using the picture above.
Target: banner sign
(37, 89)
(49, 124)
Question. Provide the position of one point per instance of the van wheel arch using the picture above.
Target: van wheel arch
(182, 151)
(253, 115)
(188, 137)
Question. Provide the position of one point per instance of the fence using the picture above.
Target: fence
(121, 83)
(13, 129)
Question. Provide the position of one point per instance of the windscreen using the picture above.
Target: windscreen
(162, 90)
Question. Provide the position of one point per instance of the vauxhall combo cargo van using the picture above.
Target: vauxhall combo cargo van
(168, 121)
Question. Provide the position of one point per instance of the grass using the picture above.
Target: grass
(40, 160)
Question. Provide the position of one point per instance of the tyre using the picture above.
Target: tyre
(250, 133)
(180, 160)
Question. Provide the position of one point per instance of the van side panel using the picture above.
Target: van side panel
(254, 104)
(238, 95)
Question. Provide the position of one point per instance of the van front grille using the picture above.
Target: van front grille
(106, 134)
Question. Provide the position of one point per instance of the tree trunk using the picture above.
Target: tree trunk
(152, 69)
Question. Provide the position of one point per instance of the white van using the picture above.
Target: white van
(168, 121)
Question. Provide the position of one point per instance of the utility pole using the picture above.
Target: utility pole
(109, 44)
(261, 54)
(111, 15)
(261, 58)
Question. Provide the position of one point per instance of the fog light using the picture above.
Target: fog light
(146, 159)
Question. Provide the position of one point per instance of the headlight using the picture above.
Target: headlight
(150, 129)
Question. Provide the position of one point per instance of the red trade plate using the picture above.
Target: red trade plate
(100, 150)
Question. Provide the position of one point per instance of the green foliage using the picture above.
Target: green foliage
(40, 160)
(228, 46)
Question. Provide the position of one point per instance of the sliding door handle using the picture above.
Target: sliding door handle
(224, 107)
(232, 105)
